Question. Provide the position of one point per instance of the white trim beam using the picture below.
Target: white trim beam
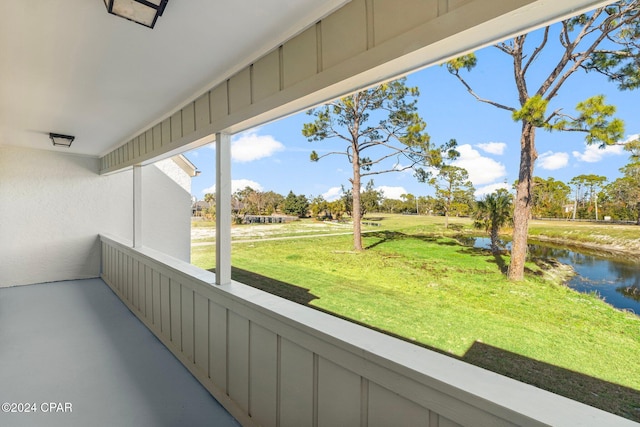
(223, 208)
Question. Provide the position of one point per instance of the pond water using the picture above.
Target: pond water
(615, 279)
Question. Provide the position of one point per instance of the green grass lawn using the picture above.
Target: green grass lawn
(417, 281)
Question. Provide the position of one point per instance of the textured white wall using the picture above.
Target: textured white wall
(52, 208)
(166, 210)
(175, 172)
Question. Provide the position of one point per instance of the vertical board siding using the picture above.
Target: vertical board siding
(263, 375)
(165, 132)
(201, 333)
(238, 359)
(296, 385)
(165, 307)
(344, 34)
(240, 91)
(269, 370)
(188, 119)
(304, 49)
(384, 407)
(176, 126)
(202, 111)
(219, 103)
(187, 322)
(266, 76)
(148, 294)
(218, 345)
(157, 317)
(338, 408)
(157, 137)
(135, 292)
(175, 313)
(390, 20)
(142, 287)
(148, 145)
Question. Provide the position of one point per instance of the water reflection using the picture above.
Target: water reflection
(615, 279)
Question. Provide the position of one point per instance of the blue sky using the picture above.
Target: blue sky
(275, 157)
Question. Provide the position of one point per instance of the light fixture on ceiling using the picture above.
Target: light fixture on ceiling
(61, 140)
(144, 12)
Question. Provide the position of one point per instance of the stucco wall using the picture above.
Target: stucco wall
(54, 205)
(175, 172)
(52, 208)
(166, 210)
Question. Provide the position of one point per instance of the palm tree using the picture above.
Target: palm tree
(493, 213)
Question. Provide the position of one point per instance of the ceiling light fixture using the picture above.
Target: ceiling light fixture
(61, 140)
(144, 12)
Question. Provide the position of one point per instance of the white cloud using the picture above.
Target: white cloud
(552, 161)
(482, 170)
(391, 192)
(493, 147)
(334, 193)
(593, 154)
(488, 189)
(631, 138)
(236, 184)
(241, 184)
(249, 146)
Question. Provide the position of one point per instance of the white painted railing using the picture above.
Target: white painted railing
(272, 362)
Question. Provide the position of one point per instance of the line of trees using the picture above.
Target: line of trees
(249, 201)
(591, 197)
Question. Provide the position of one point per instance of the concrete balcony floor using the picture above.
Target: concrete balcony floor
(75, 344)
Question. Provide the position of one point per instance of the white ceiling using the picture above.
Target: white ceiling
(70, 67)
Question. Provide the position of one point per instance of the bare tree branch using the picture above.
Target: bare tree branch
(537, 51)
(342, 153)
(566, 56)
(388, 170)
(487, 101)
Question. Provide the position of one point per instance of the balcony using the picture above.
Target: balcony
(266, 360)
(76, 351)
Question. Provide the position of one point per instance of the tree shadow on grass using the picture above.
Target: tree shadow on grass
(373, 218)
(275, 287)
(383, 237)
(592, 391)
(465, 242)
(388, 236)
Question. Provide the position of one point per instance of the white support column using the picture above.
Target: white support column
(223, 208)
(137, 206)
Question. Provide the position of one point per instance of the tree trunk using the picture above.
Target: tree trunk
(522, 209)
(355, 210)
(446, 218)
(494, 239)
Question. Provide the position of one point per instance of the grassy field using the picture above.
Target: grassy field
(601, 235)
(420, 282)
